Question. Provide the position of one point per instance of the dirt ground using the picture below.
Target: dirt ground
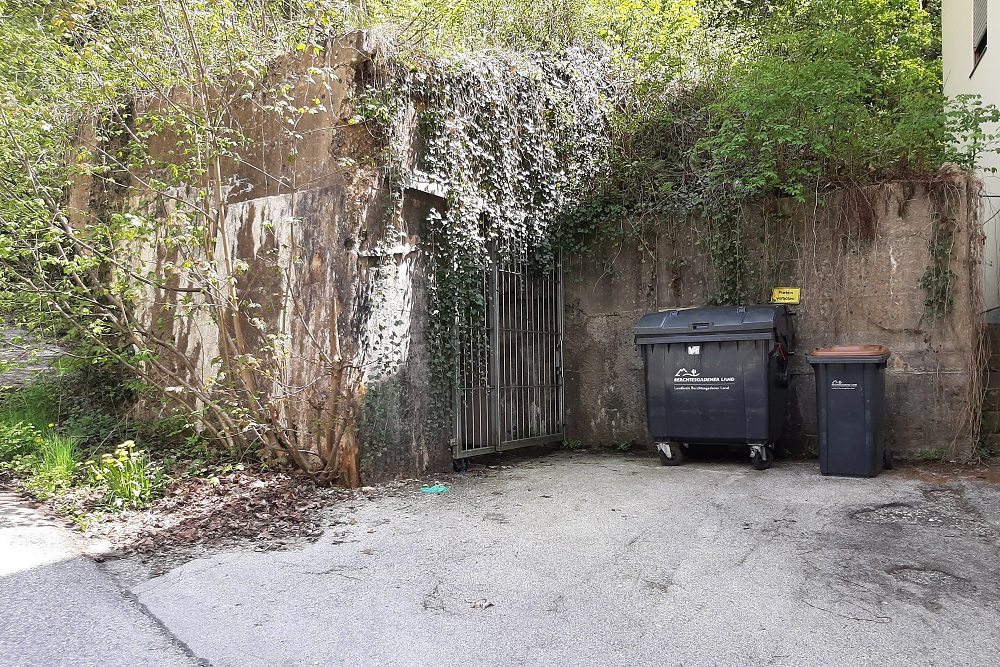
(575, 558)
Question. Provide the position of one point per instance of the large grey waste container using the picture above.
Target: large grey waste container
(850, 409)
(716, 375)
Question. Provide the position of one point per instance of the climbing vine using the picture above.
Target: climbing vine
(939, 279)
(511, 142)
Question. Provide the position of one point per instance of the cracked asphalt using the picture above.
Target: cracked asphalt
(583, 559)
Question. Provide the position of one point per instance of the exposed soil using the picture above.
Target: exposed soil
(939, 473)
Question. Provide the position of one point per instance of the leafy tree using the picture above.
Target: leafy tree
(88, 89)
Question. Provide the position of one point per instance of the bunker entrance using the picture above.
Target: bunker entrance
(509, 392)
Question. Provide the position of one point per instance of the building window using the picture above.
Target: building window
(978, 31)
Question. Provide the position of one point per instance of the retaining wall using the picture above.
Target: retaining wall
(858, 257)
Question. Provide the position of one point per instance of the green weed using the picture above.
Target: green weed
(625, 445)
(32, 405)
(30, 445)
(988, 450)
(129, 479)
(18, 439)
(24, 429)
(929, 454)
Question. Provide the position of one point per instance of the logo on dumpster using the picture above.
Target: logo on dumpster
(838, 384)
(691, 380)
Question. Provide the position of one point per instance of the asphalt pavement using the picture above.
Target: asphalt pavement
(59, 608)
(579, 559)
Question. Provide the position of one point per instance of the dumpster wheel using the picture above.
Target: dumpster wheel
(761, 456)
(671, 453)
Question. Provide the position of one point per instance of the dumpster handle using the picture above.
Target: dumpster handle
(701, 325)
(781, 355)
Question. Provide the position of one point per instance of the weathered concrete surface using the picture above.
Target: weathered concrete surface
(319, 247)
(57, 608)
(858, 259)
(284, 151)
(584, 560)
(312, 257)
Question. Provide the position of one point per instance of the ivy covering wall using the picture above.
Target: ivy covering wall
(548, 125)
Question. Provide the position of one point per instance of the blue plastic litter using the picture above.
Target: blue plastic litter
(437, 488)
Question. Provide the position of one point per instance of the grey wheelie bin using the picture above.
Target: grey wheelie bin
(850, 409)
(716, 375)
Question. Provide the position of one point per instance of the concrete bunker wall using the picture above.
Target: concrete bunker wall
(326, 207)
(310, 214)
(858, 256)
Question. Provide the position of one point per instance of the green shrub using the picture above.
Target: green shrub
(130, 480)
(17, 440)
(988, 448)
(24, 425)
(839, 90)
(929, 454)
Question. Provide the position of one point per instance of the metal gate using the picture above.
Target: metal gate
(510, 385)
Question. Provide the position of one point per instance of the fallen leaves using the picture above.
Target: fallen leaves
(252, 505)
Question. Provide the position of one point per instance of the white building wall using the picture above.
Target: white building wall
(959, 79)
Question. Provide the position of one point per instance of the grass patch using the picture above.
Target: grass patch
(46, 454)
(70, 437)
(30, 445)
(54, 465)
(32, 405)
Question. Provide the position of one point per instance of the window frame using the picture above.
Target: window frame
(979, 41)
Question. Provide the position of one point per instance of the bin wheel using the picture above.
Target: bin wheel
(763, 457)
(676, 457)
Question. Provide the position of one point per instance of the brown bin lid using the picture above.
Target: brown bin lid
(851, 351)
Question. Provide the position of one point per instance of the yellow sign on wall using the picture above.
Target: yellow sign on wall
(785, 295)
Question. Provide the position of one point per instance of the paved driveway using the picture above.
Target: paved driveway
(578, 559)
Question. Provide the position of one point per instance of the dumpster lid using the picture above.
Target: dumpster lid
(711, 319)
(874, 351)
